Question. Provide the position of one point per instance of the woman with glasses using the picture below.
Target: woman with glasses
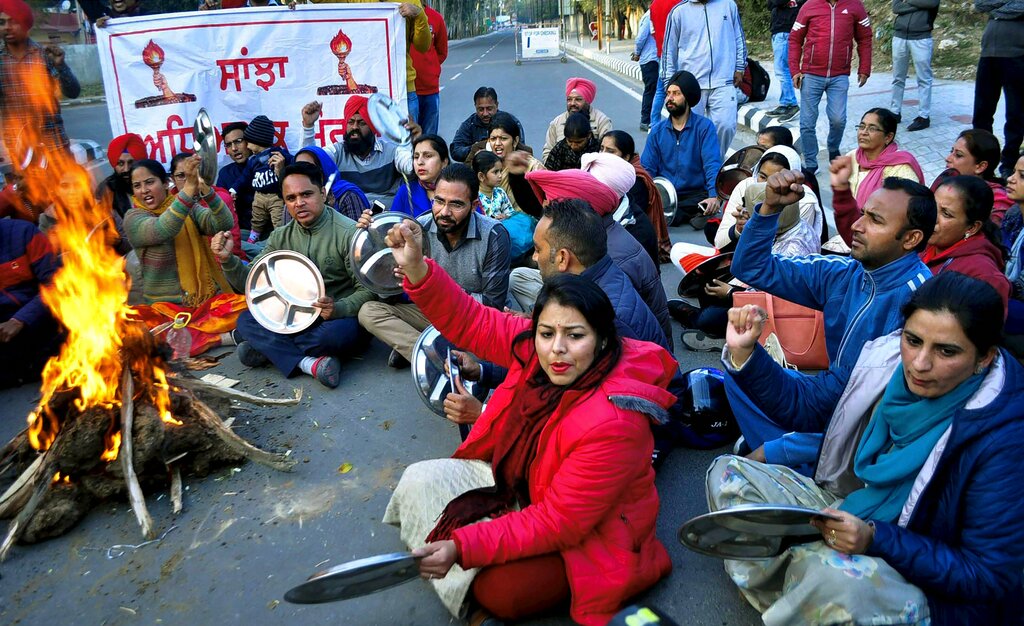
(170, 232)
(876, 158)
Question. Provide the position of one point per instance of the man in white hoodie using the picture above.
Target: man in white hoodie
(705, 38)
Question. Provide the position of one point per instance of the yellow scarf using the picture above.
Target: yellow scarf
(199, 275)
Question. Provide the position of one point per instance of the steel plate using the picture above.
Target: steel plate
(281, 289)
(751, 531)
(205, 146)
(667, 191)
(355, 579)
(428, 373)
(371, 257)
(745, 158)
(387, 117)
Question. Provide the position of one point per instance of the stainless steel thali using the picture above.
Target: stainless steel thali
(431, 380)
(371, 258)
(281, 289)
(750, 531)
(355, 579)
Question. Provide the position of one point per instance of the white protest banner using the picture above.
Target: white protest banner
(540, 43)
(159, 70)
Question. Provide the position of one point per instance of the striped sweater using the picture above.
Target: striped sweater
(153, 236)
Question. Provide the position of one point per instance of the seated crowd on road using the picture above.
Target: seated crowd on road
(543, 265)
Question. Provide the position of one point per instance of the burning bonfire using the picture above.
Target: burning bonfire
(111, 417)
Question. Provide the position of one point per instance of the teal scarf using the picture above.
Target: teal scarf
(901, 434)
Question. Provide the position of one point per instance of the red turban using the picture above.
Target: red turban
(360, 105)
(574, 184)
(582, 86)
(130, 143)
(19, 12)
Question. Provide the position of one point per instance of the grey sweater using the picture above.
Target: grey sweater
(1004, 34)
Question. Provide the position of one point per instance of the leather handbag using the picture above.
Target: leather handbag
(800, 330)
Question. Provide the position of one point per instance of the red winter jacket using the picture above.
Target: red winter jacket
(591, 484)
(428, 64)
(976, 257)
(659, 16)
(821, 42)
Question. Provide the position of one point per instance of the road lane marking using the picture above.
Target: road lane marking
(456, 76)
(625, 88)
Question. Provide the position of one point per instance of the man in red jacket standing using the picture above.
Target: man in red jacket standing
(820, 58)
(428, 72)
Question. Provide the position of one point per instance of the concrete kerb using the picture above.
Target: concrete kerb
(748, 115)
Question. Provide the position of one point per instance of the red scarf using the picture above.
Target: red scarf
(535, 399)
(890, 155)
(655, 211)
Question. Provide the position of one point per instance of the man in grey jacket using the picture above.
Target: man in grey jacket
(1000, 68)
(912, 38)
(705, 38)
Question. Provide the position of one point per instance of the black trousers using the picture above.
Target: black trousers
(995, 75)
(649, 71)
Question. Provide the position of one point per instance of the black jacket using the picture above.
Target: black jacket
(471, 131)
(914, 18)
(784, 14)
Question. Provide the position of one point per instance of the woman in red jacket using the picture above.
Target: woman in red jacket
(573, 509)
(965, 240)
(976, 153)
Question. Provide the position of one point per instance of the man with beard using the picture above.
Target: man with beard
(116, 190)
(477, 127)
(363, 158)
(324, 236)
(32, 78)
(230, 176)
(684, 149)
(579, 96)
(860, 297)
(471, 247)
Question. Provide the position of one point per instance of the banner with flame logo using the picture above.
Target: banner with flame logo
(159, 70)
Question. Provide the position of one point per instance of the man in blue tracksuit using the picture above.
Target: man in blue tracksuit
(859, 296)
(705, 38)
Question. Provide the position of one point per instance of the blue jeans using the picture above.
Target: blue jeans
(780, 48)
(814, 87)
(414, 106)
(921, 52)
(658, 105)
(796, 450)
(430, 112)
(340, 337)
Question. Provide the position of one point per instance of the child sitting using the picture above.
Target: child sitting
(489, 167)
(261, 174)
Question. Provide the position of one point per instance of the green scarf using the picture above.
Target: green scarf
(899, 438)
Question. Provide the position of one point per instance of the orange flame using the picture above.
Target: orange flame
(61, 478)
(152, 54)
(341, 44)
(88, 293)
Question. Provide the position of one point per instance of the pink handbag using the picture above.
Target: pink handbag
(800, 330)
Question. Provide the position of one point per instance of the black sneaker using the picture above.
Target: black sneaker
(697, 341)
(899, 118)
(919, 123)
(777, 111)
(645, 128)
(789, 113)
(397, 361)
(682, 312)
(327, 370)
(250, 356)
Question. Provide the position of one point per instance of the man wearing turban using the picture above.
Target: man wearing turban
(364, 158)
(29, 74)
(579, 96)
(116, 190)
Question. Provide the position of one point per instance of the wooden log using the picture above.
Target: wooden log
(135, 495)
(196, 384)
(175, 488)
(236, 443)
(14, 499)
(25, 515)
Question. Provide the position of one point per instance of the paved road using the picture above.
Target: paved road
(245, 537)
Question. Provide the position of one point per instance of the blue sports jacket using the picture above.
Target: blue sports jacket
(690, 158)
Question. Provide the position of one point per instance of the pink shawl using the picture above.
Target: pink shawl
(890, 155)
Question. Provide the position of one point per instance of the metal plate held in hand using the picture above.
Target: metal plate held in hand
(281, 289)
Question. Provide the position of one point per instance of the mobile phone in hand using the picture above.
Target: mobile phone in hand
(377, 207)
(454, 372)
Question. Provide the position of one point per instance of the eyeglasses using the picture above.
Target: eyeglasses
(454, 205)
(871, 128)
(234, 144)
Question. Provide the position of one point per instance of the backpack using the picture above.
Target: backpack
(755, 81)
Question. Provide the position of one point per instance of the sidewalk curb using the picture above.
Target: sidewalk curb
(626, 68)
(83, 101)
(747, 115)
